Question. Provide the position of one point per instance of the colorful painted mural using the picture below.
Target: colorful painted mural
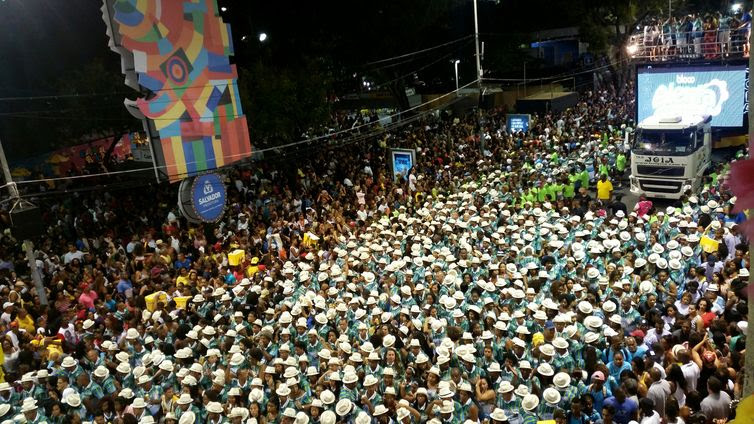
(77, 159)
(175, 52)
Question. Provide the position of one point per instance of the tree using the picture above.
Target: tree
(281, 103)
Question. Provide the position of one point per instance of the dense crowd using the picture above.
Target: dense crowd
(710, 35)
(490, 284)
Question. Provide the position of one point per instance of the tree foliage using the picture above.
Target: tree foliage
(607, 25)
(282, 103)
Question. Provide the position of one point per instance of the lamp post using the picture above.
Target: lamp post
(455, 66)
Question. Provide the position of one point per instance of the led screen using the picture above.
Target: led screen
(518, 123)
(719, 92)
(402, 161)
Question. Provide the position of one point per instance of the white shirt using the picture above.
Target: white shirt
(691, 373)
(652, 419)
(68, 257)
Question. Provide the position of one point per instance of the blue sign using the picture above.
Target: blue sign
(208, 197)
(516, 123)
(693, 91)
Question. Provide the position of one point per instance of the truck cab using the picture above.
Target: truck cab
(670, 156)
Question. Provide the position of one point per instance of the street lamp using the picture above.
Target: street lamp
(262, 37)
(223, 9)
(455, 66)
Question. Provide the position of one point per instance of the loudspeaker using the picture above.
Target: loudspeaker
(26, 220)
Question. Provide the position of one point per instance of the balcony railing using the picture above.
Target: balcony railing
(702, 45)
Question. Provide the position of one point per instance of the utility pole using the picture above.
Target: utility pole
(28, 245)
(749, 356)
(478, 54)
(478, 77)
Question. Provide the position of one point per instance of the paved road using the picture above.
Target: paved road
(630, 199)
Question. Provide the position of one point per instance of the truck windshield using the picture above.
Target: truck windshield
(659, 142)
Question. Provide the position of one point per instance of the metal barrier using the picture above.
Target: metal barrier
(710, 44)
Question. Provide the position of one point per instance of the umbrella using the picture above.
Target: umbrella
(20, 172)
(57, 158)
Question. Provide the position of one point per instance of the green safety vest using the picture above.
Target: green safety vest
(620, 162)
(569, 190)
(584, 178)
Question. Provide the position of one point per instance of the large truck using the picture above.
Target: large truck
(670, 155)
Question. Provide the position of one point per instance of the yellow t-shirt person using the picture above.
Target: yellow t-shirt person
(604, 189)
(253, 268)
(26, 323)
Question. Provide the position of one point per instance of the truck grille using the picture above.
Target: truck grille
(660, 171)
(658, 186)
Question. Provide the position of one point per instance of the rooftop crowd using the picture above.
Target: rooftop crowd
(696, 35)
(487, 285)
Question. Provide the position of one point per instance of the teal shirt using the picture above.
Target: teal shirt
(93, 390)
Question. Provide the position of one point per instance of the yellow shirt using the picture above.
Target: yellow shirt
(182, 280)
(604, 189)
(27, 324)
(251, 270)
(309, 241)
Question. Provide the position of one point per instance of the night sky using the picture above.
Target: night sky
(43, 40)
(39, 39)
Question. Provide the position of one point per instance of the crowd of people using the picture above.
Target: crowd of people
(492, 283)
(709, 36)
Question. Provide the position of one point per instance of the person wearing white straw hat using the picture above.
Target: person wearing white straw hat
(215, 413)
(331, 290)
(185, 404)
(31, 412)
(529, 404)
(187, 418)
(139, 408)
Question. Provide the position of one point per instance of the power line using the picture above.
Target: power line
(74, 95)
(67, 118)
(418, 51)
(554, 77)
(423, 67)
(371, 123)
(268, 149)
(22, 114)
(234, 81)
(122, 185)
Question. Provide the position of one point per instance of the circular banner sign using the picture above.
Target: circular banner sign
(208, 197)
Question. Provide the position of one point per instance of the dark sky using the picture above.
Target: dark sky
(39, 39)
(43, 40)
